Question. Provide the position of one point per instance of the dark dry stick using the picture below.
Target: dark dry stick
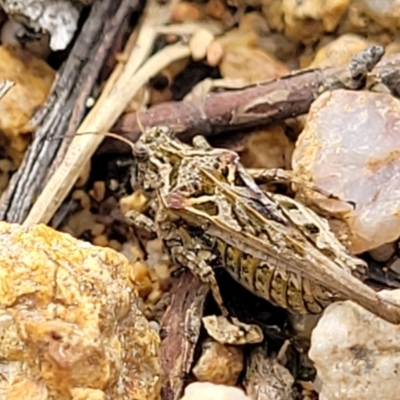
(66, 104)
(262, 104)
(180, 329)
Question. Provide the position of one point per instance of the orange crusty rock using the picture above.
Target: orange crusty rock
(70, 328)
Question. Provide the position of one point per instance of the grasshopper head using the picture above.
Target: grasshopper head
(152, 158)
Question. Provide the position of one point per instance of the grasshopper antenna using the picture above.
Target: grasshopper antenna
(115, 136)
(122, 139)
(139, 122)
(107, 134)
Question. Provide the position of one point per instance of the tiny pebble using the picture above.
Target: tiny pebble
(355, 353)
(199, 43)
(148, 313)
(162, 271)
(84, 175)
(82, 197)
(207, 391)
(153, 275)
(171, 38)
(384, 252)
(154, 296)
(99, 190)
(90, 102)
(155, 325)
(216, 9)
(185, 12)
(97, 229)
(114, 244)
(144, 287)
(6, 165)
(100, 240)
(80, 222)
(135, 201)
(395, 266)
(215, 51)
(140, 276)
(139, 271)
(113, 185)
(219, 363)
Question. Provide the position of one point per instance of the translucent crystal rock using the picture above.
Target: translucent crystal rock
(356, 354)
(350, 148)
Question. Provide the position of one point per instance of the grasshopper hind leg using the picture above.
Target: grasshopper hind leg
(140, 221)
(201, 269)
(224, 329)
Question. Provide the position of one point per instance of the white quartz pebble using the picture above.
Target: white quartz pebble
(208, 391)
(356, 354)
(350, 147)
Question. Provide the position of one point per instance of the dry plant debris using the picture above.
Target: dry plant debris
(265, 103)
(221, 330)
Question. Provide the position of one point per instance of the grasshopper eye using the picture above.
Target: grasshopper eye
(164, 130)
(140, 152)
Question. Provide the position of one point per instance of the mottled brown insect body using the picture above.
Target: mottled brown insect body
(210, 213)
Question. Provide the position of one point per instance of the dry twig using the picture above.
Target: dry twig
(120, 89)
(66, 104)
(261, 104)
(181, 328)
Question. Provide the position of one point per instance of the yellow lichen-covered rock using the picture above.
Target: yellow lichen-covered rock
(69, 323)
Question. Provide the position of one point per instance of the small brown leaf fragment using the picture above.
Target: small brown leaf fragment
(235, 332)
